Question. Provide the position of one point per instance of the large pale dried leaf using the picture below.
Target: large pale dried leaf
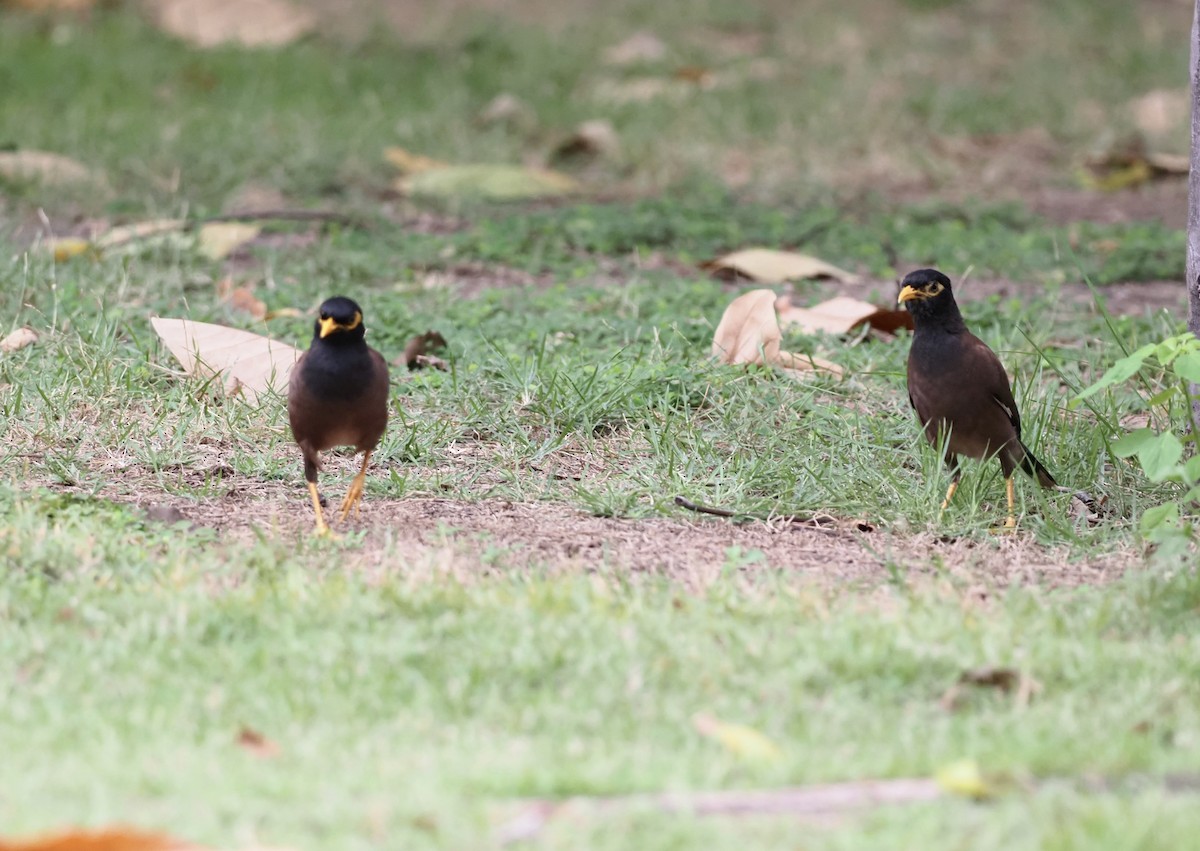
(255, 363)
(640, 47)
(410, 163)
(250, 23)
(749, 330)
(741, 741)
(495, 182)
(1158, 112)
(771, 266)
(113, 839)
(840, 314)
(44, 167)
(749, 333)
(18, 339)
(217, 240)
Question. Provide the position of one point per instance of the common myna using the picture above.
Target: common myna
(338, 396)
(959, 389)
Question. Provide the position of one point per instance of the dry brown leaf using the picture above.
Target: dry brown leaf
(410, 163)
(18, 339)
(640, 47)
(417, 349)
(118, 236)
(1129, 164)
(507, 109)
(256, 743)
(840, 314)
(749, 333)
(112, 839)
(257, 363)
(990, 676)
(594, 138)
(771, 266)
(241, 299)
(217, 240)
(44, 167)
(250, 23)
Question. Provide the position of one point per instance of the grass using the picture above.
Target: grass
(411, 695)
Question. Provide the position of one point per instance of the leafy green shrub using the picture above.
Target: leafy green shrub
(1169, 369)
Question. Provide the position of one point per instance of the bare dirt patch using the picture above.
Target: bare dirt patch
(474, 538)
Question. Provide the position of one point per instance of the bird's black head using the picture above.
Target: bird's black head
(340, 321)
(927, 295)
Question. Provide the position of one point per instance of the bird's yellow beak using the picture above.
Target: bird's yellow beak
(906, 294)
(329, 325)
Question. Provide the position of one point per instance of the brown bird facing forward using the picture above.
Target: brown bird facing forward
(338, 396)
(959, 389)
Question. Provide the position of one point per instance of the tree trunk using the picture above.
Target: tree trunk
(1193, 219)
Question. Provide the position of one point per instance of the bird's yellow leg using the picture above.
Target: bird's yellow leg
(949, 493)
(322, 530)
(356, 487)
(1010, 492)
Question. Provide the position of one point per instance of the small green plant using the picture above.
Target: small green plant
(1168, 372)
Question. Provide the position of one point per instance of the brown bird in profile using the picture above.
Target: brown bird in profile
(959, 388)
(338, 396)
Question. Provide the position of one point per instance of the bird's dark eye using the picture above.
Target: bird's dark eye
(324, 315)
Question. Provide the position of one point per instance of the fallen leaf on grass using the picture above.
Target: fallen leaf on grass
(771, 266)
(963, 777)
(1007, 680)
(741, 741)
(507, 109)
(217, 240)
(44, 167)
(417, 351)
(241, 299)
(1158, 112)
(640, 47)
(840, 314)
(595, 138)
(749, 333)
(409, 163)
(256, 743)
(18, 339)
(252, 363)
(494, 182)
(112, 839)
(249, 23)
(1129, 165)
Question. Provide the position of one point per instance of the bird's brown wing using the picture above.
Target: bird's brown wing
(986, 366)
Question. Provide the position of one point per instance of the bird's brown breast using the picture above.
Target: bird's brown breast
(957, 385)
(338, 401)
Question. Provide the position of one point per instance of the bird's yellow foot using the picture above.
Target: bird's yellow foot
(356, 488)
(321, 530)
(352, 496)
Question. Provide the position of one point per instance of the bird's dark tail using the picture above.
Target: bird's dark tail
(1035, 469)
